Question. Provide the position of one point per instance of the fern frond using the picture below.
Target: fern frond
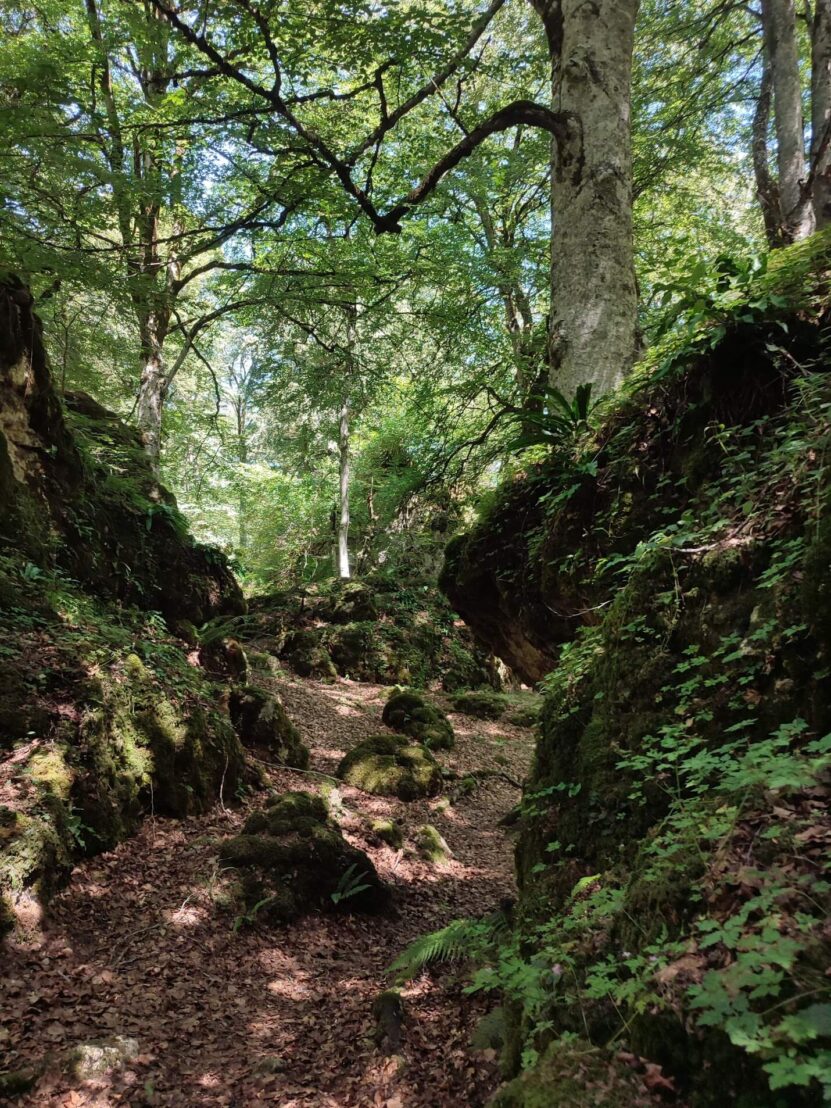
(450, 944)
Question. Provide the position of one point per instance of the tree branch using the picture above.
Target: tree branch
(564, 126)
(431, 86)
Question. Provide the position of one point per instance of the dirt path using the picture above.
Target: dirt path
(141, 946)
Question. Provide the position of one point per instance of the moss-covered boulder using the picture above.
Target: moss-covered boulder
(349, 602)
(577, 1075)
(294, 859)
(389, 831)
(524, 716)
(410, 714)
(390, 765)
(481, 705)
(261, 720)
(383, 628)
(354, 651)
(432, 845)
(307, 656)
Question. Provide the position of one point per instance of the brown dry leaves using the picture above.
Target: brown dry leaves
(141, 945)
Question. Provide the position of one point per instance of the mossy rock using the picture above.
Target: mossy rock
(431, 845)
(390, 765)
(50, 772)
(294, 860)
(7, 917)
(573, 1074)
(260, 719)
(524, 717)
(352, 650)
(390, 1014)
(490, 1031)
(481, 705)
(223, 656)
(308, 657)
(35, 851)
(388, 831)
(289, 812)
(14, 1083)
(96, 1060)
(349, 602)
(410, 714)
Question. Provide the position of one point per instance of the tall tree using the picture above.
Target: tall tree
(779, 23)
(821, 111)
(594, 296)
(798, 200)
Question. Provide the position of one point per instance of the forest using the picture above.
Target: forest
(415, 553)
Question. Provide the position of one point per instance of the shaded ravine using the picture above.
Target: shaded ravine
(141, 945)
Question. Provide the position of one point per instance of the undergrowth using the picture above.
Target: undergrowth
(674, 853)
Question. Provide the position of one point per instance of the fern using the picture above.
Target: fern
(460, 940)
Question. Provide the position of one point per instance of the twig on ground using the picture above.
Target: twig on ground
(292, 769)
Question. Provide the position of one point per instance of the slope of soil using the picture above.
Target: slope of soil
(142, 946)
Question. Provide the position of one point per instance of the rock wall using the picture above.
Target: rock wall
(103, 714)
(671, 581)
(76, 491)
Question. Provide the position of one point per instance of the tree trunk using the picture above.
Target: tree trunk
(593, 323)
(241, 413)
(767, 190)
(779, 19)
(151, 395)
(344, 467)
(821, 112)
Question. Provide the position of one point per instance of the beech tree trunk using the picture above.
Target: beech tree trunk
(593, 323)
(767, 190)
(821, 112)
(779, 20)
(151, 394)
(344, 473)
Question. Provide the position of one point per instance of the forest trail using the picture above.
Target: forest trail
(140, 946)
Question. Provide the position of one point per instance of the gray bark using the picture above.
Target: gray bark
(344, 478)
(779, 19)
(593, 325)
(151, 394)
(767, 189)
(821, 112)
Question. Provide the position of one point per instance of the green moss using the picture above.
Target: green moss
(577, 1075)
(261, 720)
(294, 859)
(524, 717)
(16, 1082)
(390, 1014)
(431, 845)
(389, 765)
(308, 657)
(292, 811)
(35, 850)
(481, 705)
(388, 831)
(49, 771)
(409, 713)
